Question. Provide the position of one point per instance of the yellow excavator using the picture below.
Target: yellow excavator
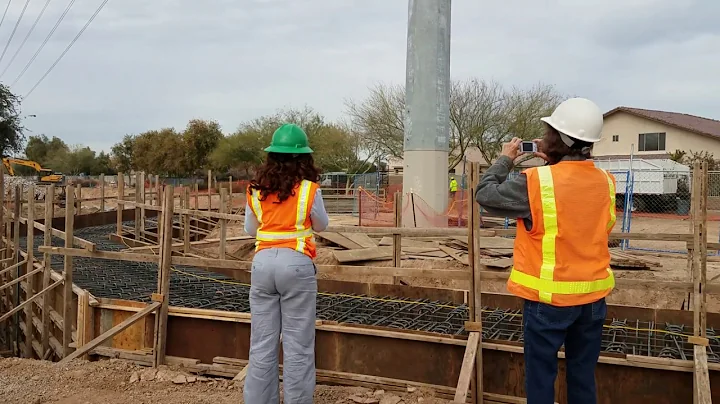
(45, 176)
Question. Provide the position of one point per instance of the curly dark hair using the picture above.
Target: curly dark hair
(282, 172)
(555, 149)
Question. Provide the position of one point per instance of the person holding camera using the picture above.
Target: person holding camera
(565, 211)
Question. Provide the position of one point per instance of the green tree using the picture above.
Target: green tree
(41, 148)
(103, 164)
(200, 138)
(122, 156)
(12, 134)
(160, 152)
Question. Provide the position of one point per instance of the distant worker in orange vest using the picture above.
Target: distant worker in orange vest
(284, 207)
(565, 211)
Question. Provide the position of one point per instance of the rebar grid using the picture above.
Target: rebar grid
(195, 288)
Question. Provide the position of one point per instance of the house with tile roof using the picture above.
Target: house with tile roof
(655, 134)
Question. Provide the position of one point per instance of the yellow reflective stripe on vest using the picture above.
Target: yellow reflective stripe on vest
(549, 209)
(255, 200)
(545, 284)
(562, 287)
(301, 214)
(611, 185)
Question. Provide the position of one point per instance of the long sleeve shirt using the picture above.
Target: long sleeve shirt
(504, 197)
(318, 216)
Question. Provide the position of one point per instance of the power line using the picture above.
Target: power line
(68, 48)
(26, 37)
(5, 13)
(47, 38)
(12, 34)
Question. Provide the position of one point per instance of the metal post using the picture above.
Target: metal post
(427, 94)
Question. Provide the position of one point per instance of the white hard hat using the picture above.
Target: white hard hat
(577, 118)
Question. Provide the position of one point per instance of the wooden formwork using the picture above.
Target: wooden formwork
(63, 323)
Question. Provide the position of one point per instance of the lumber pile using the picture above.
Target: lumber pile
(496, 253)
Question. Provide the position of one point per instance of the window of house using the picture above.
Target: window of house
(651, 142)
(616, 138)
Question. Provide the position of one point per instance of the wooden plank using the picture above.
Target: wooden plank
(365, 254)
(339, 239)
(458, 231)
(408, 242)
(110, 333)
(466, 369)
(161, 319)
(30, 300)
(702, 392)
(454, 253)
(497, 263)
(241, 375)
(363, 240)
(68, 270)
(30, 272)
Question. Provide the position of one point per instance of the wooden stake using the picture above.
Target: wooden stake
(164, 278)
(68, 271)
(186, 222)
(197, 196)
(102, 192)
(120, 204)
(138, 211)
(84, 320)
(110, 333)
(158, 193)
(703, 249)
(4, 253)
(475, 303)
(78, 197)
(396, 238)
(223, 222)
(30, 284)
(230, 194)
(14, 274)
(47, 241)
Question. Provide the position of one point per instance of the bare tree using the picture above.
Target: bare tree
(380, 118)
(482, 114)
(476, 109)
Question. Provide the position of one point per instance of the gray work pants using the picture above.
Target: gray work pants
(283, 296)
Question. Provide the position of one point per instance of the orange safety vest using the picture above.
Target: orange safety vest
(564, 259)
(286, 224)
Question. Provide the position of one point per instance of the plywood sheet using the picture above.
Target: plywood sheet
(365, 254)
(339, 239)
(363, 240)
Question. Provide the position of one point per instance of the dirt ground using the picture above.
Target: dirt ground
(114, 381)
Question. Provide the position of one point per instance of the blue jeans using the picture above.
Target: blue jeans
(546, 328)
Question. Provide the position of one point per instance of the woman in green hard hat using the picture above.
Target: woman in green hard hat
(284, 207)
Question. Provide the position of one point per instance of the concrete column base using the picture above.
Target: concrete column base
(425, 174)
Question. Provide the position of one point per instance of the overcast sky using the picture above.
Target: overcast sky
(147, 64)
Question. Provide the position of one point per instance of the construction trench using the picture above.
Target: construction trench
(373, 335)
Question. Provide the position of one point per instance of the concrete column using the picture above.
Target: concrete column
(427, 123)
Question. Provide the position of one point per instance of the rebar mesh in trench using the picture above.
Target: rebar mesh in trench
(195, 288)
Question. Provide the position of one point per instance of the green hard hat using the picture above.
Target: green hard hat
(289, 138)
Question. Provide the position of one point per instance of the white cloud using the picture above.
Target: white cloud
(150, 64)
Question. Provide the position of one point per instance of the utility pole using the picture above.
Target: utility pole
(427, 103)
